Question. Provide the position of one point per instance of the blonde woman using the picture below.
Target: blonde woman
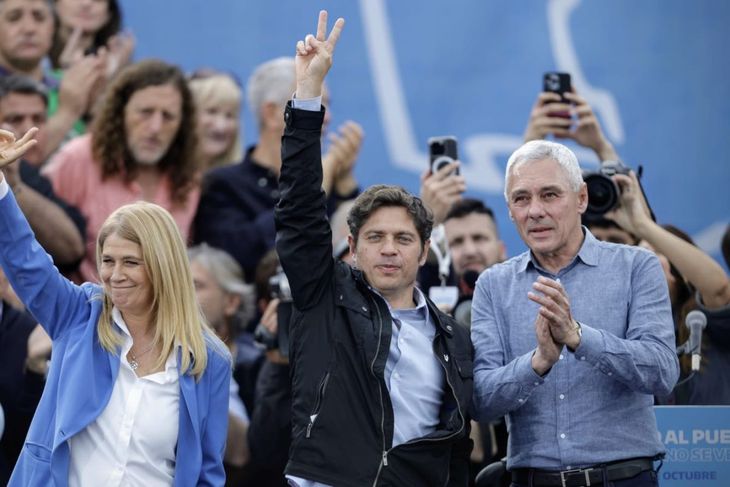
(218, 103)
(137, 390)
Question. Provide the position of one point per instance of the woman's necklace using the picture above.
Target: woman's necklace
(133, 362)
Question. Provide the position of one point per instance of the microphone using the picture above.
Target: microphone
(696, 321)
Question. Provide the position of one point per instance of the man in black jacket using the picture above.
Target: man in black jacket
(381, 379)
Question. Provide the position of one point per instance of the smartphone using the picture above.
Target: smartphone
(442, 150)
(557, 83)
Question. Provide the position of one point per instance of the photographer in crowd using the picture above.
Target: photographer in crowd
(269, 436)
(695, 281)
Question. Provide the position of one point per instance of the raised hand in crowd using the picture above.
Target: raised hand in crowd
(270, 321)
(80, 86)
(11, 149)
(73, 50)
(314, 57)
(339, 161)
(574, 120)
(440, 190)
(701, 270)
(120, 48)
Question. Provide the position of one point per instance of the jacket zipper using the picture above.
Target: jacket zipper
(384, 459)
(318, 404)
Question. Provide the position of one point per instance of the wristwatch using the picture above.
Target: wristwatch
(578, 329)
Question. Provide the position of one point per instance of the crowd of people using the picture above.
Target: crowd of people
(180, 310)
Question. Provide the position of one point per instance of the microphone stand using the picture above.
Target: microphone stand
(684, 349)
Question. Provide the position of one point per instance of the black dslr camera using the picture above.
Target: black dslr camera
(603, 192)
(279, 287)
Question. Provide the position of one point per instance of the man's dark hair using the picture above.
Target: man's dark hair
(23, 85)
(466, 207)
(383, 195)
(109, 145)
(601, 222)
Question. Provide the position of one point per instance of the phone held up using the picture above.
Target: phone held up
(442, 151)
(559, 83)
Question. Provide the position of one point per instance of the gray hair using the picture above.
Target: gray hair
(538, 150)
(227, 272)
(271, 82)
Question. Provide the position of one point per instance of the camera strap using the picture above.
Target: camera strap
(639, 173)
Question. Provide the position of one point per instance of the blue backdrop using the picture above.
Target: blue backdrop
(656, 73)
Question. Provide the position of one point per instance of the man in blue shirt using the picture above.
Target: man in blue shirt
(572, 338)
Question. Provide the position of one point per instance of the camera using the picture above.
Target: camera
(279, 289)
(442, 151)
(603, 192)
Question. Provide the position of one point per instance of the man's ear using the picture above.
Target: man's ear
(424, 252)
(583, 198)
(352, 245)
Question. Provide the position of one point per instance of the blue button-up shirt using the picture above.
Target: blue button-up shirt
(414, 377)
(594, 405)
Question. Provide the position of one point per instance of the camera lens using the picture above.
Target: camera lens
(603, 194)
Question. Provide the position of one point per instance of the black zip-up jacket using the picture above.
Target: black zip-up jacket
(342, 416)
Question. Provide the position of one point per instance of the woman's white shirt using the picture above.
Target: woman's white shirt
(133, 440)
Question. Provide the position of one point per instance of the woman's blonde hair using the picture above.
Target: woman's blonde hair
(219, 88)
(175, 314)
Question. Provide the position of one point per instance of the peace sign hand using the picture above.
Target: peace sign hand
(314, 57)
(11, 149)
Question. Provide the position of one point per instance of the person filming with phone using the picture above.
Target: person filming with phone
(381, 379)
(561, 112)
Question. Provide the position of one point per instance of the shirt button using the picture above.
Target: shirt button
(583, 358)
(520, 400)
(397, 375)
(262, 182)
(561, 356)
(537, 383)
(562, 435)
(610, 374)
(562, 396)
